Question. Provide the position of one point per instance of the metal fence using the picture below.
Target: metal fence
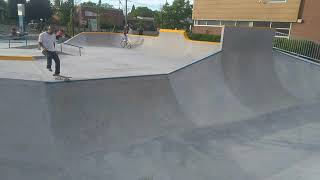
(303, 48)
(14, 41)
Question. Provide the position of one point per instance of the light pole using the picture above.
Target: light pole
(99, 16)
(126, 17)
(72, 17)
(21, 14)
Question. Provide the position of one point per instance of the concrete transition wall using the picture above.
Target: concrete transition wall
(67, 131)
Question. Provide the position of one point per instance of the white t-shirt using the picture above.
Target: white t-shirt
(48, 40)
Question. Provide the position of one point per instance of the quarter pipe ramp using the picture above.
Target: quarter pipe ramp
(244, 113)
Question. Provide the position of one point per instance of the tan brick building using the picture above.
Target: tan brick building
(290, 18)
(112, 16)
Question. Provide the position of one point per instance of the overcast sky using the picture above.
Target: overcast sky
(152, 4)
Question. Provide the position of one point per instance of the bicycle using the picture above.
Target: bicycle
(125, 43)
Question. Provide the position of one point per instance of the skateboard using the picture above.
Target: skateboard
(62, 78)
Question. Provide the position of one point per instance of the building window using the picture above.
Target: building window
(228, 23)
(213, 23)
(202, 22)
(280, 25)
(261, 24)
(244, 23)
(282, 28)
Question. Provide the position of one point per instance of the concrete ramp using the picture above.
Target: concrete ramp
(245, 113)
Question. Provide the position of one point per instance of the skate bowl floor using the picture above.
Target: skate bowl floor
(102, 57)
(245, 113)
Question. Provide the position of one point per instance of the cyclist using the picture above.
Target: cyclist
(125, 33)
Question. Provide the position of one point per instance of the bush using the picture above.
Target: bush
(204, 37)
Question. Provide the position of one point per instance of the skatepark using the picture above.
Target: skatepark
(167, 109)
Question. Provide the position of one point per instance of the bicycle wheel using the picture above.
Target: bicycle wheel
(129, 46)
(123, 44)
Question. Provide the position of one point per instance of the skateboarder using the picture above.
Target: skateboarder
(47, 42)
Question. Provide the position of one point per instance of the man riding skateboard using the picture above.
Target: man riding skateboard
(47, 42)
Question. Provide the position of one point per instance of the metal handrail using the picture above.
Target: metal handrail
(12, 39)
(73, 45)
(79, 47)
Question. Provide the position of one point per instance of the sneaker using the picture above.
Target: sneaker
(49, 69)
(56, 74)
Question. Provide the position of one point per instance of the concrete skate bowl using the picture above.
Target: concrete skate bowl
(244, 113)
(173, 42)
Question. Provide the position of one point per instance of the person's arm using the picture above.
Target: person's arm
(40, 42)
(41, 45)
(54, 41)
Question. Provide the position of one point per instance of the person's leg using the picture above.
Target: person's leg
(49, 60)
(57, 63)
(126, 38)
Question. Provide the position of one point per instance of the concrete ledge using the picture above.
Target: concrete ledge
(17, 58)
(172, 31)
(115, 33)
(184, 33)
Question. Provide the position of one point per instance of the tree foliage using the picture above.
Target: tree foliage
(57, 3)
(96, 5)
(3, 11)
(89, 4)
(106, 6)
(141, 11)
(38, 9)
(133, 8)
(177, 15)
(35, 9)
(3, 4)
(64, 12)
(12, 7)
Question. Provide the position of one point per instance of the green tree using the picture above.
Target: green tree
(133, 8)
(89, 4)
(12, 7)
(64, 12)
(39, 9)
(70, 24)
(141, 11)
(3, 10)
(2, 3)
(106, 6)
(177, 15)
(57, 3)
(95, 5)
